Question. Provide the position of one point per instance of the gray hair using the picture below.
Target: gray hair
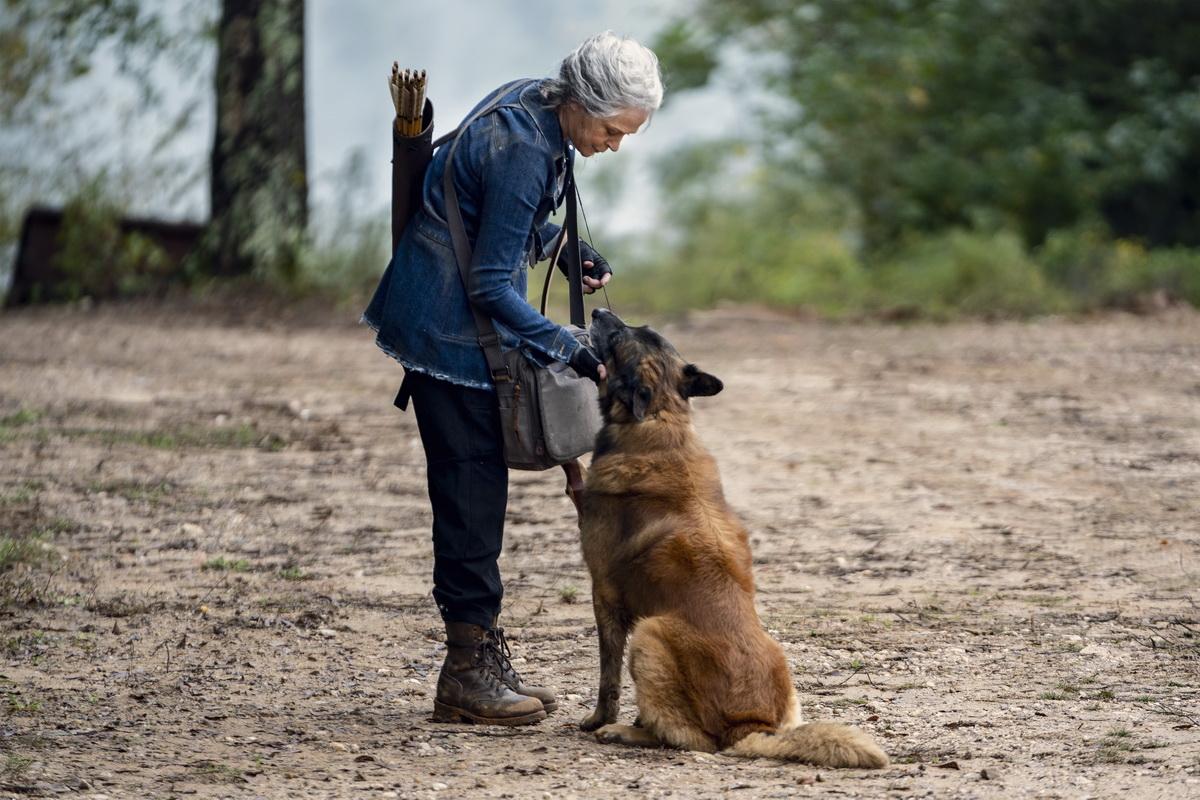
(606, 75)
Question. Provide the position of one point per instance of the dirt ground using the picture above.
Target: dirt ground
(979, 542)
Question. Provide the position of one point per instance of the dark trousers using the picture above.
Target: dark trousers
(468, 489)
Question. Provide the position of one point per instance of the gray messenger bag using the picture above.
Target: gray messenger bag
(550, 415)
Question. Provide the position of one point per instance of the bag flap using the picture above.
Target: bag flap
(570, 410)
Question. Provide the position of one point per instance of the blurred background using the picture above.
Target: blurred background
(884, 158)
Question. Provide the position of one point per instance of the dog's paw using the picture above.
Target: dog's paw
(611, 734)
(595, 720)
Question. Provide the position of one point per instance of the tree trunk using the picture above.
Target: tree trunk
(259, 169)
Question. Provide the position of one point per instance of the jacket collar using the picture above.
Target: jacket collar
(545, 117)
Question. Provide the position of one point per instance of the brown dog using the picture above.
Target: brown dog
(670, 566)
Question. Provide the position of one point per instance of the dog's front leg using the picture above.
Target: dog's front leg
(610, 624)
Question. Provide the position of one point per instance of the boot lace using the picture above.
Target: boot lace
(497, 653)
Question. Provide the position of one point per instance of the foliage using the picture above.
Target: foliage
(45, 44)
(97, 258)
(22, 550)
(259, 178)
(65, 65)
(750, 251)
(347, 249)
(993, 158)
(258, 170)
(932, 114)
(1099, 272)
(222, 564)
(789, 249)
(981, 274)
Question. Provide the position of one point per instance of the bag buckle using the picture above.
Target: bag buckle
(501, 375)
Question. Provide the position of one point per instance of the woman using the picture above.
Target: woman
(507, 170)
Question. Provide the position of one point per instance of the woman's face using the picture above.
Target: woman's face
(592, 135)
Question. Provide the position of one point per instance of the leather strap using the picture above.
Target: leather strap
(574, 263)
(488, 339)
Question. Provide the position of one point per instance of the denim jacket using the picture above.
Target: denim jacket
(507, 173)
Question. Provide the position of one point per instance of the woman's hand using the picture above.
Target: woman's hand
(591, 284)
(596, 270)
(587, 365)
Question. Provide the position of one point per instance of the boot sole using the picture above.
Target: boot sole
(445, 713)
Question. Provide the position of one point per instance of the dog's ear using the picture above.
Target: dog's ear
(699, 384)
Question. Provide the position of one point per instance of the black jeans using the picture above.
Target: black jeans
(468, 489)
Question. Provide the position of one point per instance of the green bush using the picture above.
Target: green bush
(781, 252)
(346, 262)
(935, 114)
(981, 274)
(1080, 262)
(97, 258)
(956, 273)
(1098, 272)
(1176, 271)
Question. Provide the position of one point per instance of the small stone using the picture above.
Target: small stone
(439, 787)
(328, 633)
(341, 748)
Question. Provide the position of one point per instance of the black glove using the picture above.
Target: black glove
(599, 267)
(585, 363)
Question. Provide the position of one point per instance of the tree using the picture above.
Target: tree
(259, 168)
(1031, 115)
(45, 44)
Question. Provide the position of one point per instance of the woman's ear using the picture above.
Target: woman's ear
(699, 384)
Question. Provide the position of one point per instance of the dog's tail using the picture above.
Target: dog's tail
(822, 744)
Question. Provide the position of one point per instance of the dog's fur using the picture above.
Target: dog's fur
(670, 567)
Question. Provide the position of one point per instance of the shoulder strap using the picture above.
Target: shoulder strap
(574, 260)
(567, 244)
(489, 105)
(489, 340)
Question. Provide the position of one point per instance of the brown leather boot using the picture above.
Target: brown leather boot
(512, 679)
(469, 688)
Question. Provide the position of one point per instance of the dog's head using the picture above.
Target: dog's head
(646, 375)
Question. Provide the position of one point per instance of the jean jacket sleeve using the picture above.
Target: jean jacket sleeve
(513, 184)
(546, 234)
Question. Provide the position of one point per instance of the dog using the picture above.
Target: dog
(670, 568)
